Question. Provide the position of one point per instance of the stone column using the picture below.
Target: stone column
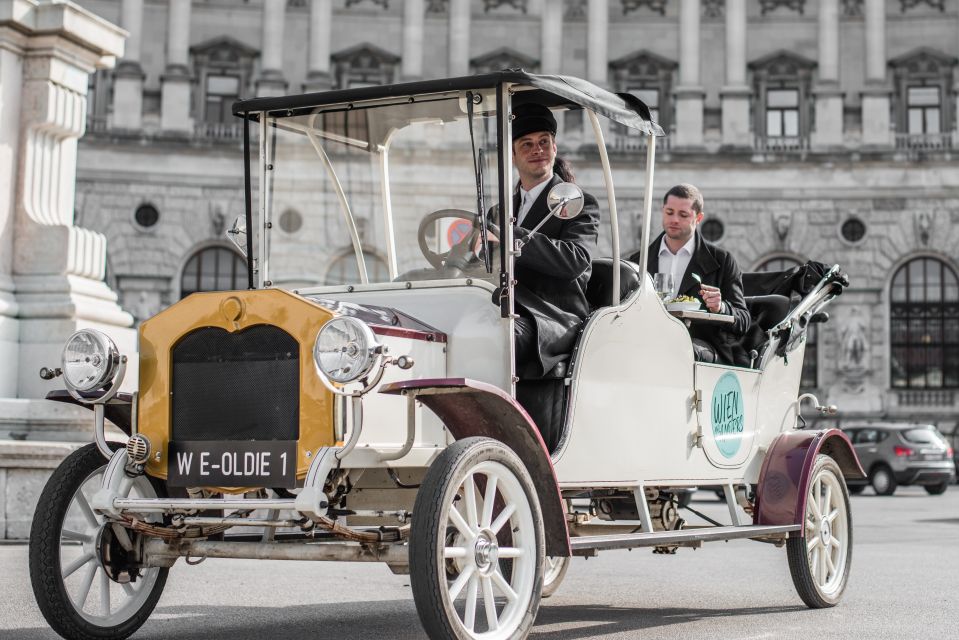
(876, 122)
(459, 38)
(271, 81)
(413, 17)
(597, 48)
(829, 116)
(735, 93)
(175, 99)
(128, 79)
(318, 77)
(551, 47)
(689, 92)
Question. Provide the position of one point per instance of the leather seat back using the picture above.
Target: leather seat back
(599, 290)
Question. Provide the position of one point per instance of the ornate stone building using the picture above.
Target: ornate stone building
(817, 129)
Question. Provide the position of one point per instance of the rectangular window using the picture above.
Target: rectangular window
(650, 96)
(923, 105)
(221, 92)
(782, 113)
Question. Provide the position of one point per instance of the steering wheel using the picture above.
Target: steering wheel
(461, 256)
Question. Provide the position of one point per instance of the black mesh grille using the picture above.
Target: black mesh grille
(236, 386)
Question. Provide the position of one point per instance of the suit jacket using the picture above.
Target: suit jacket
(718, 268)
(551, 275)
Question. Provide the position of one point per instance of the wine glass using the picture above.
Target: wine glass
(663, 284)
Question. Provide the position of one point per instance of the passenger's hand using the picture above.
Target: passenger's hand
(712, 296)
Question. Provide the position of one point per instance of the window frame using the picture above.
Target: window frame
(239, 277)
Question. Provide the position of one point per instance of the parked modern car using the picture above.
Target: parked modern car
(896, 454)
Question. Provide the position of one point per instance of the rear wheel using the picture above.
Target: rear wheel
(937, 489)
(883, 481)
(73, 589)
(555, 571)
(819, 559)
(856, 489)
(479, 489)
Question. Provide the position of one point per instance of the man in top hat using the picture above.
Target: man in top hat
(555, 264)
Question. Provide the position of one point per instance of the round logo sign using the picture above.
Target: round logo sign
(458, 231)
(728, 415)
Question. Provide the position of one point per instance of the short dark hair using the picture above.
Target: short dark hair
(685, 191)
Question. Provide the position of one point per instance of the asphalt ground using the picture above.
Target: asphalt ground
(904, 584)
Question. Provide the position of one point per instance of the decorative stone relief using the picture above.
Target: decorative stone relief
(854, 350)
(383, 3)
(904, 5)
(792, 5)
(713, 9)
(575, 9)
(924, 224)
(852, 8)
(436, 6)
(659, 6)
(781, 225)
(519, 5)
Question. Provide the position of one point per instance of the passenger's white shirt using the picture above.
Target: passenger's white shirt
(527, 198)
(676, 263)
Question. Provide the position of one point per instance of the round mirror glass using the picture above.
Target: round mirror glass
(565, 201)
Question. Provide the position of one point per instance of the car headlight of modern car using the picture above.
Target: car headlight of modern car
(90, 360)
(346, 350)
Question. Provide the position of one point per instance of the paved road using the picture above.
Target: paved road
(904, 584)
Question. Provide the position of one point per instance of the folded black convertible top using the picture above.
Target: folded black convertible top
(568, 91)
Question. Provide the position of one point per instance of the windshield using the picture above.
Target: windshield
(924, 435)
(385, 188)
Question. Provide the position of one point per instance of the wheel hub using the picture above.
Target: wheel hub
(485, 552)
(825, 533)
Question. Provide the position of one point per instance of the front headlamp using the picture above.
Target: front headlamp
(90, 360)
(346, 350)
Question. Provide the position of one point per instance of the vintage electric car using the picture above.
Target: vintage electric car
(373, 411)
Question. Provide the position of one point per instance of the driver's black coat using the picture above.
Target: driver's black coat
(551, 275)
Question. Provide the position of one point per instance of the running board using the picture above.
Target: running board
(672, 538)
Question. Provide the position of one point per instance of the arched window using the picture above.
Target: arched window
(213, 269)
(343, 269)
(924, 326)
(810, 365)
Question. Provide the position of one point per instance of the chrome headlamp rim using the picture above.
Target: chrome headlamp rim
(368, 351)
(107, 368)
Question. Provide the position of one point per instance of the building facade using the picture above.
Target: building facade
(817, 130)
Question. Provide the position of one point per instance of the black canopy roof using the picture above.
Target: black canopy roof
(553, 91)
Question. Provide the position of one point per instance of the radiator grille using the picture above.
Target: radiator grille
(236, 386)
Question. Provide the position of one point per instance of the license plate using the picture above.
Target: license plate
(232, 463)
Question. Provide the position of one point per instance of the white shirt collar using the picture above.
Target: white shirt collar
(533, 193)
(687, 248)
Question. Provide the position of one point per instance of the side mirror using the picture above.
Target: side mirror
(565, 201)
(237, 234)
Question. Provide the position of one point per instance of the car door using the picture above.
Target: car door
(866, 442)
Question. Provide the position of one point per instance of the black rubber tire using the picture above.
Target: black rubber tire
(45, 566)
(856, 489)
(883, 481)
(552, 583)
(936, 489)
(428, 533)
(803, 579)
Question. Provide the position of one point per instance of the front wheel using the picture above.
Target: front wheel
(73, 590)
(819, 559)
(883, 482)
(477, 536)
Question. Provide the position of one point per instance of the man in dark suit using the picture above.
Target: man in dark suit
(681, 251)
(555, 263)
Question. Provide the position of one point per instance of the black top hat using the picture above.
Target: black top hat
(530, 118)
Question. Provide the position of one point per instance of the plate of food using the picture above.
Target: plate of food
(683, 303)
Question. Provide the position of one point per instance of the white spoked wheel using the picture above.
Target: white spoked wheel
(554, 573)
(476, 544)
(72, 586)
(820, 559)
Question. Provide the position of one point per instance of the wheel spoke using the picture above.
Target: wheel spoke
(454, 552)
(85, 585)
(511, 552)
(812, 544)
(501, 519)
(814, 503)
(71, 568)
(127, 589)
(827, 500)
(814, 563)
(489, 501)
(503, 586)
(829, 562)
(74, 536)
(461, 581)
(834, 542)
(492, 622)
(832, 515)
(464, 528)
(823, 571)
(470, 608)
(469, 488)
(91, 517)
(104, 593)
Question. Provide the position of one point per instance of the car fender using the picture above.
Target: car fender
(118, 409)
(785, 474)
(471, 408)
